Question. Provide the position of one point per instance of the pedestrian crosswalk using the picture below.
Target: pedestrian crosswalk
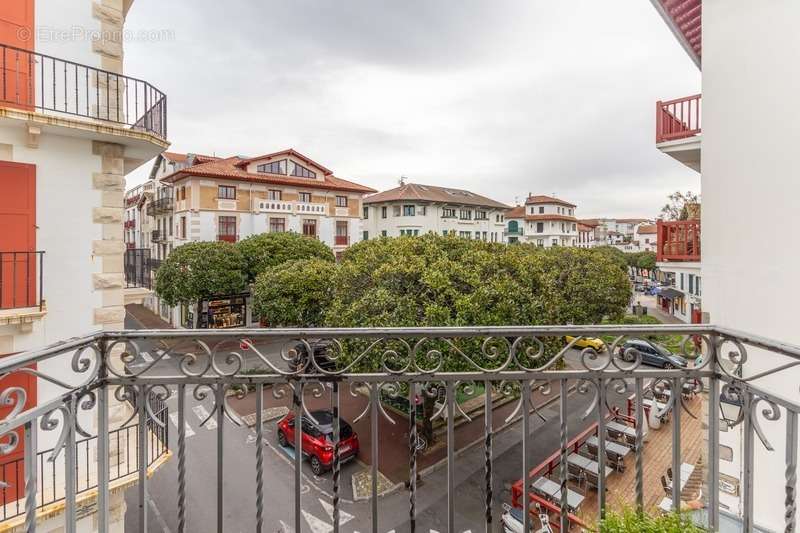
(145, 358)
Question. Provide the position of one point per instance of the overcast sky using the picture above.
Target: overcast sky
(499, 97)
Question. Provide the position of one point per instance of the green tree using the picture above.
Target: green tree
(448, 281)
(200, 269)
(266, 250)
(646, 260)
(295, 293)
(677, 206)
(614, 254)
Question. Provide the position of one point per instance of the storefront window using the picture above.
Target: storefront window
(223, 313)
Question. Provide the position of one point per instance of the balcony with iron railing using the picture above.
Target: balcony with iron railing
(136, 264)
(157, 236)
(63, 88)
(160, 206)
(617, 424)
(678, 129)
(678, 240)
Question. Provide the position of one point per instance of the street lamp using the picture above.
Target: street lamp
(730, 404)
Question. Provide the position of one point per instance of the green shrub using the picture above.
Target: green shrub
(628, 521)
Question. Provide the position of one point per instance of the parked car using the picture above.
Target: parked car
(588, 342)
(653, 354)
(317, 439)
(320, 350)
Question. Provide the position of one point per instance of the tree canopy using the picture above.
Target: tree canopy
(677, 208)
(294, 294)
(198, 270)
(266, 250)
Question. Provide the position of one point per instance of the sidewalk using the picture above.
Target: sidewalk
(393, 458)
(146, 318)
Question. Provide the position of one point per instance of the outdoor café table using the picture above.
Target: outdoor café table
(614, 447)
(552, 489)
(587, 464)
(616, 427)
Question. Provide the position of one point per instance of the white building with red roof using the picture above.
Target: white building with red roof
(232, 198)
(414, 209)
(544, 221)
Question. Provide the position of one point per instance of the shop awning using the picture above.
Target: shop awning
(670, 293)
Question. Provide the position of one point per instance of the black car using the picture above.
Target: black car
(321, 349)
(652, 353)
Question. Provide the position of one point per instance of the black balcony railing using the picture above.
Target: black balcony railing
(156, 235)
(154, 264)
(33, 81)
(21, 280)
(137, 268)
(160, 206)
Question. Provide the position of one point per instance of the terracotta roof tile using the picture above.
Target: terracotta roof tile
(647, 229)
(230, 168)
(542, 199)
(432, 193)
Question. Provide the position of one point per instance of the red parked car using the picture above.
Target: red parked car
(318, 439)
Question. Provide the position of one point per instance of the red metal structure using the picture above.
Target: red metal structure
(547, 468)
(678, 240)
(678, 119)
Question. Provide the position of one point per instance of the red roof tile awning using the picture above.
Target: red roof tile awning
(684, 19)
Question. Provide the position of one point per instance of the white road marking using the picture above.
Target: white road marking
(202, 414)
(147, 357)
(343, 516)
(286, 528)
(173, 417)
(316, 525)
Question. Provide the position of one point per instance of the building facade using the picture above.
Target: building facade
(586, 235)
(65, 149)
(230, 199)
(544, 221)
(746, 54)
(414, 209)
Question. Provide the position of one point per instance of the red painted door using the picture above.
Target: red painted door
(17, 67)
(18, 264)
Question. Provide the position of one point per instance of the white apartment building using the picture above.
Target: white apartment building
(544, 221)
(586, 235)
(65, 149)
(414, 209)
(741, 135)
(612, 231)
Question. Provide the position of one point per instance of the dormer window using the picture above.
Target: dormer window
(275, 167)
(300, 171)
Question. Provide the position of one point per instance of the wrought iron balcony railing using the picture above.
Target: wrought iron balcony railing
(137, 268)
(33, 81)
(413, 365)
(160, 206)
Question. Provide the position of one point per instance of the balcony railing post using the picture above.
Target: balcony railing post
(141, 449)
(747, 457)
(675, 396)
(31, 476)
(102, 442)
(791, 471)
(297, 405)
(70, 464)
(659, 122)
(713, 437)
(525, 387)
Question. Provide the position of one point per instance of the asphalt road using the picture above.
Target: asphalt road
(238, 486)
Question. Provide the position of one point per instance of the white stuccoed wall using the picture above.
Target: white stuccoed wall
(751, 142)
